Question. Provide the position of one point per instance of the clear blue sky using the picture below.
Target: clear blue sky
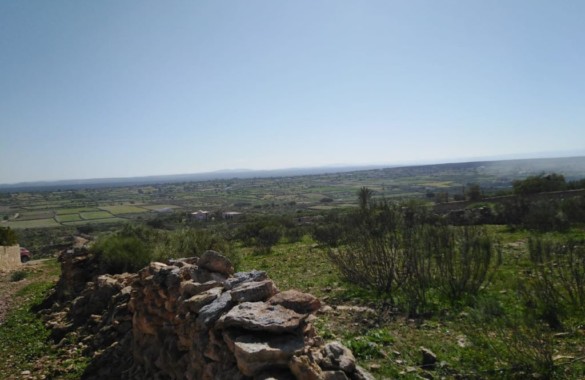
(92, 89)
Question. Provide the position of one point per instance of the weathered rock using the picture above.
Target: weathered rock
(254, 291)
(242, 277)
(429, 359)
(254, 354)
(259, 316)
(337, 357)
(305, 368)
(195, 303)
(298, 301)
(183, 260)
(189, 288)
(334, 375)
(209, 314)
(361, 374)
(216, 262)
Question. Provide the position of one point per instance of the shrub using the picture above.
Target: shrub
(557, 286)
(401, 247)
(18, 275)
(119, 254)
(7, 236)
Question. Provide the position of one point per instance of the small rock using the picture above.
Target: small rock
(429, 359)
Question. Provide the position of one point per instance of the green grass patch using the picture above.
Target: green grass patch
(294, 266)
(123, 209)
(159, 207)
(112, 220)
(95, 215)
(36, 223)
(76, 210)
(68, 218)
(23, 335)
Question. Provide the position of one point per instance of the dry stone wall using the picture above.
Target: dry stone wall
(195, 318)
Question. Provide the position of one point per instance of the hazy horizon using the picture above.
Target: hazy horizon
(315, 169)
(128, 89)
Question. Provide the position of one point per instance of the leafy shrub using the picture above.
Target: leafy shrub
(8, 236)
(18, 275)
(557, 285)
(119, 254)
(395, 248)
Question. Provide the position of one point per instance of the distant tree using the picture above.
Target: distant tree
(540, 184)
(442, 197)
(365, 197)
(7, 236)
(473, 192)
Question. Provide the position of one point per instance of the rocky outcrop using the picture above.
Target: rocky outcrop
(197, 319)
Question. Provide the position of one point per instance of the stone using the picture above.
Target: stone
(337, 357)
(255, 353)
(334, 375)
(275, 374)
(305, 368)
(209, 314)
(242, 277)
(254, 291)
(195, 303)
(216, 262)
(298, 301)
(361, 374)
(259, 316)
(429, 359)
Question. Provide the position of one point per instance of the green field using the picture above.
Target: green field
(95, 215)
(124, 209)
(68, 218)
(64, 211)
(112, 220)
(35, 223)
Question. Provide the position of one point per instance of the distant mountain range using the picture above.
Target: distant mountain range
(571, 167)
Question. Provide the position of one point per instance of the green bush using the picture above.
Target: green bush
(556, 287)
(7, 236)
(401, 250)
(18, 275)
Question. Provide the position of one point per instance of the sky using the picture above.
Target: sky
(109, 88)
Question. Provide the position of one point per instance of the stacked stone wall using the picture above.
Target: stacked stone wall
(193, 319)
(9, 257)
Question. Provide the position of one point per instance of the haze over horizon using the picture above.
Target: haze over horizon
(125, 89)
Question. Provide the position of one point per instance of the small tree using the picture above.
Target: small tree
(8, 236)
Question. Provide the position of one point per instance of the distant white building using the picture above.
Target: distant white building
(200, 215)
(230, 214)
